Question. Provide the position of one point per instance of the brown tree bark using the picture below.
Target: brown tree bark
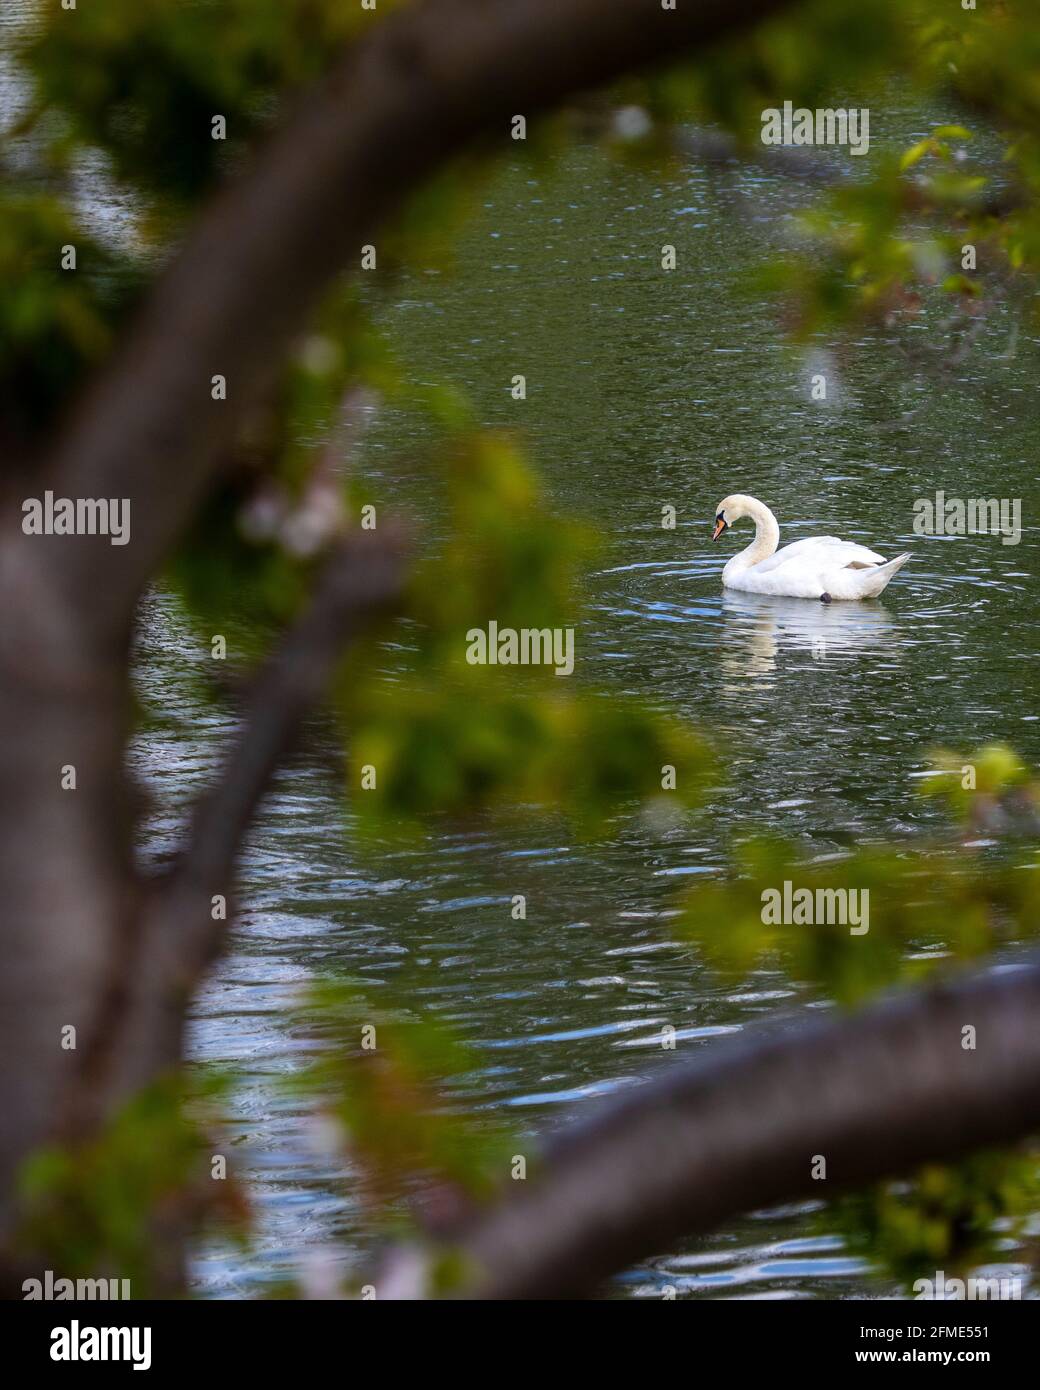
(876, 1095)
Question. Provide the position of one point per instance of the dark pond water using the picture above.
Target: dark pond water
(645, 389)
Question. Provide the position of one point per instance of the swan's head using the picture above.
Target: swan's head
(729, 510)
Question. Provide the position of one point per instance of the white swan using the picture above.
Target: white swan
(823, 567)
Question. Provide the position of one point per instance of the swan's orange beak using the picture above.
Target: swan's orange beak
(720, 526)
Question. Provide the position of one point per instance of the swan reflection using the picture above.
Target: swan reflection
(759, 626)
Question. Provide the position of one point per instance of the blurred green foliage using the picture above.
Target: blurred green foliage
(394, 1081)
(138, 83)
(238, 570)
(931, 908)
(55, 325)
(143, 79)
(930, 905)
(888, 232)
(952, 1218)
(990, 788)
(100, 1208)
(926, 910)
(448, 736)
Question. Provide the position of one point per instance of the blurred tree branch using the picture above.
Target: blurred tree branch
(362, 577)
(360, 580)
(875, 1094)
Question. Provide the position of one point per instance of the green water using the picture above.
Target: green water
(645, 388)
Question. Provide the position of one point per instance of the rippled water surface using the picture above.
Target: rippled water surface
(648, 389)
(645, 389)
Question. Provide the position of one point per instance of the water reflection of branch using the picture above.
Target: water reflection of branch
(939, 362)
(717, 149)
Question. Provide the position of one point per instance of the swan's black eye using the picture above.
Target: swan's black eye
(721, 518)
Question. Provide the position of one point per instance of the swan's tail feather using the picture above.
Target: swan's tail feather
(879, 579)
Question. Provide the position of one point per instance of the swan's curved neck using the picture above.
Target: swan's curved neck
(767, 536)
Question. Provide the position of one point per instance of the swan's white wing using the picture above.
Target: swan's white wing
(821, 550)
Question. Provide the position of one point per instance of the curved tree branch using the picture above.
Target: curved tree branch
(361, 579)
(177, 936)
(876, 1094)
(403, 102)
